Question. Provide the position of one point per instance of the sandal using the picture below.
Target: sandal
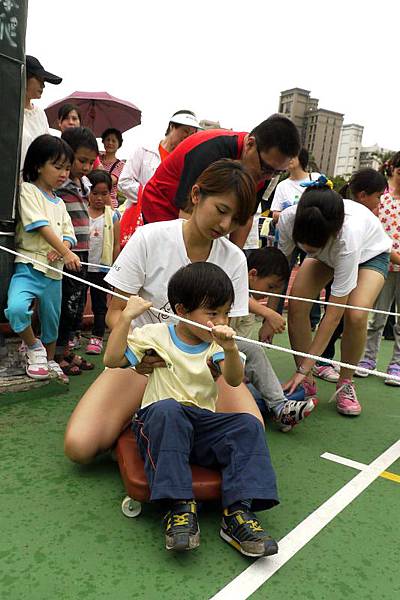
(68, 368)
(78, 361)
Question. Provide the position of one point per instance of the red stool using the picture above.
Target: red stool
(206, 482)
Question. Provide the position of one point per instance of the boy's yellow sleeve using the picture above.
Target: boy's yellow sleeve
(138, 342)
(31, 208)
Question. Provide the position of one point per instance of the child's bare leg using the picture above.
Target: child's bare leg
(354, 336)
(51, 350)
(28, 336)
(102, 412)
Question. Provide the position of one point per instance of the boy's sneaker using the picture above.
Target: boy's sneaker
(293, 412)
(366, 363)
(95, 346)
(182, 530)
(393, 370)
(346, 398)
(242, 530)
(36, 367)
(55, 367)
(326, 372)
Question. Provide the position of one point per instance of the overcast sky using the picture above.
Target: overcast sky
(227, 60)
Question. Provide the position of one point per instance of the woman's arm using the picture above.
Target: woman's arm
(115, 308)
(326, 328)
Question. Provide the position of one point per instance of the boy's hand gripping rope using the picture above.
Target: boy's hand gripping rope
(173, 316)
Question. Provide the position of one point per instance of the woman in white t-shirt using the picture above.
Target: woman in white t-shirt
(222, 199)
(346, 242)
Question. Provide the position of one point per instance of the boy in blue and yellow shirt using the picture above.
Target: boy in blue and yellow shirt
(177, 422)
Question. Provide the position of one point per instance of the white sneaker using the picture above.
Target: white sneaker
(36, 367)
(55, 367)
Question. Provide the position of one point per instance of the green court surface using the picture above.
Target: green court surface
(63, 535)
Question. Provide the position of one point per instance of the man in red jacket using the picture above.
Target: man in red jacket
(265, 152)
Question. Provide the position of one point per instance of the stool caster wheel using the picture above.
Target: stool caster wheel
(131, 508)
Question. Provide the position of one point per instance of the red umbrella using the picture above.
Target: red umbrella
(99, 111)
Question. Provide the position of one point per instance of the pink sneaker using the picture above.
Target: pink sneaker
(36, 366)
(95, 346)
(326, 372)
(346, 398)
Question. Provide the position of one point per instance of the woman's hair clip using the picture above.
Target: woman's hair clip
(321, 182)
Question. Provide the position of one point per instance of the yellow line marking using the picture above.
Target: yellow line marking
(391, 476)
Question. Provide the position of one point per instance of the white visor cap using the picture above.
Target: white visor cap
(185, 119)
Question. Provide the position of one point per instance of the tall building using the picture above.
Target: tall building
(319, 128)
(368, 156)
(348, 155)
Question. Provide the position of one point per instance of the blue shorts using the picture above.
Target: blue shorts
(26, 285)
(379, 263)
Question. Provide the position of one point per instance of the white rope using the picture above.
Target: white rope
(382, 312)
(173, 316)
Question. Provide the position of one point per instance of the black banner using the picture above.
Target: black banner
(13, 16)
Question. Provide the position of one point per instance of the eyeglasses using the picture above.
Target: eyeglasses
(266, 169)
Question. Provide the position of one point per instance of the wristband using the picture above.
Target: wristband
(302, 371)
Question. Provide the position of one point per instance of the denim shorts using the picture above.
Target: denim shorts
(379, 263)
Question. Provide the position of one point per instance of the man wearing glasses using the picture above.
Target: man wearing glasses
(266, 151)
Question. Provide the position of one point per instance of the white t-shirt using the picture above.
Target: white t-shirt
(156, 251)
(288, 192)
(360, 239)
(35, 124)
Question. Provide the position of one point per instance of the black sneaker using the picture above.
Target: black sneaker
(243, 531)
(182, 530)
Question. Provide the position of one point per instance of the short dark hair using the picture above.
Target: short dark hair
(100, 176)
(277, 132)
(269, 261)
(364, 180)
(43, 148)
(65, 109)
(226, 176)
(200, 285)
(319, 216)
(303, 158)
(80, 137)
(172, 122)
(112, 131)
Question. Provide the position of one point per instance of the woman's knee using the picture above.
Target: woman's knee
(356, 320)
(79, 449)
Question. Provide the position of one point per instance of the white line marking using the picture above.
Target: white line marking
(344, 461)
(261, 570)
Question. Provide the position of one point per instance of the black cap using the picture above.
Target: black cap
(33, 67)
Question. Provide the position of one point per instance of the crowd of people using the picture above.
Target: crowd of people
(196, 393)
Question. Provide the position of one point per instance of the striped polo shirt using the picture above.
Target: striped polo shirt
(75, 199)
